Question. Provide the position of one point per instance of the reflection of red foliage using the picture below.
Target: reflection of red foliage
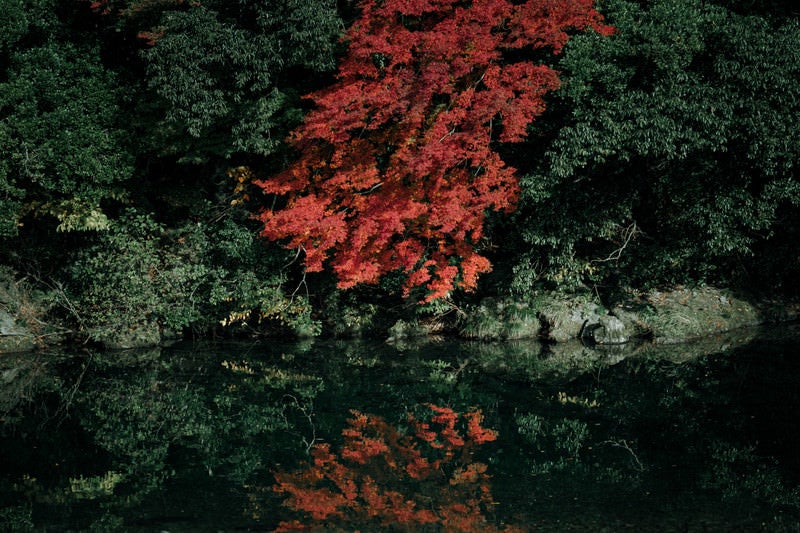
(397, 163)
(385, 478)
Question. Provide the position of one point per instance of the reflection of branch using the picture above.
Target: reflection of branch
(308, 414)
(64, 406)
(628, 234)
(462, 365)
(370, 190)
(625, 446)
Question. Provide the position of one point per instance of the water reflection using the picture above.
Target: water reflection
(192, 438)
(424, 477)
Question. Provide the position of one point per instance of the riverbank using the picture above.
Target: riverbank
(661, 317)
(32, 318)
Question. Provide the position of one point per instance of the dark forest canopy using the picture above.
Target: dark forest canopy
(132, 133)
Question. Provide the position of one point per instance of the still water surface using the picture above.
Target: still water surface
(190, 438)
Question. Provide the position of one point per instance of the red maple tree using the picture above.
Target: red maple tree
(384, 479)
(397, 165)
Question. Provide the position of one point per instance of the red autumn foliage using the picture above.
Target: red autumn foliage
(384, 479)
(396, 165)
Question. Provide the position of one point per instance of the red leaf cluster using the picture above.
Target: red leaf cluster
(396, 165)
(385, 478)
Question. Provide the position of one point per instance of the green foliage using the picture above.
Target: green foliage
(127, 279)
(669, 155)
(350, 316)
(677, 157)
(566, 437)
(21, 18)
(92, 94)
(63, 146)
(220, 72)
(140, 273)
(740, 473)
(17, 518)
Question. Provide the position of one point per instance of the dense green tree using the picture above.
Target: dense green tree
(223, 77)
(669, 155)
(141, 278)
(674, 157)
(63, 145)
(148, 104)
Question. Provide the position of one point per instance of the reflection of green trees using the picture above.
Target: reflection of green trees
(650, 426)
(148, 433)
(142, 421)
(218, 422)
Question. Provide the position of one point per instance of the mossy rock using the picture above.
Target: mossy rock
(564, 317)
(411, 329)
(683, 314)
(14, 337)
(16, 343)
(145, 335)
(8, 324)
(25, 315)
(501, 320)
(608, 330)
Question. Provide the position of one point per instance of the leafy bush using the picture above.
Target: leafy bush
(673, 154)
(220, 76)
(139, 274)
(63, 143)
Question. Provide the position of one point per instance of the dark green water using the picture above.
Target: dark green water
(188, 438)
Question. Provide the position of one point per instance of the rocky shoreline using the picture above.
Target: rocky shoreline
(677, 315)
(657, 317)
